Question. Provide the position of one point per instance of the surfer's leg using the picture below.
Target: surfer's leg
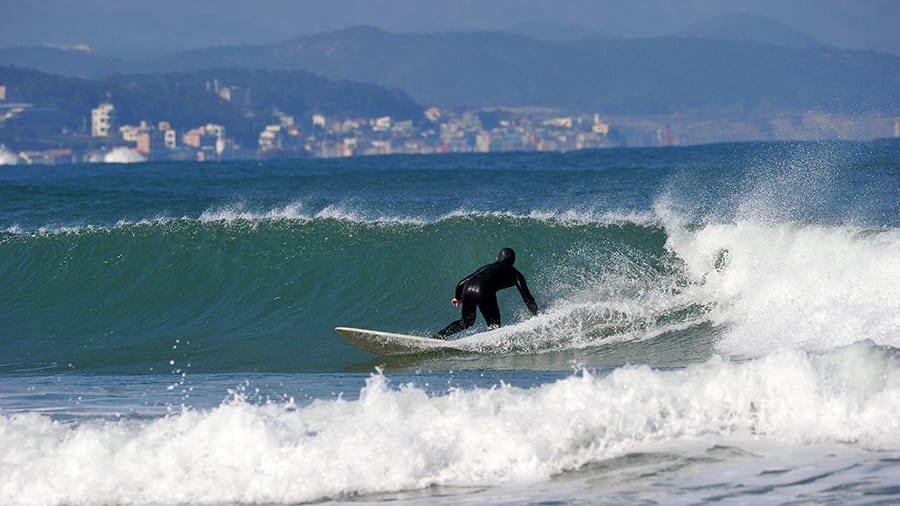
(491, 311)
(467, 320)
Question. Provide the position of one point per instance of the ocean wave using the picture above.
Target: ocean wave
(744, 289)
(803, 285)
(397, 437)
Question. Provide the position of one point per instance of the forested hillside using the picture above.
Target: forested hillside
(188, 99)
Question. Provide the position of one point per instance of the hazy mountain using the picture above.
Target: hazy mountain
(485, 69)
(549, 31)
(65, 62)
(489, 69)
(124, 28)
(748, 27)
(133, 29)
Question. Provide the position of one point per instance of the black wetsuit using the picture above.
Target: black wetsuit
(479, 290)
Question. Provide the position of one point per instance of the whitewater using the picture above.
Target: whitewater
(719, 324)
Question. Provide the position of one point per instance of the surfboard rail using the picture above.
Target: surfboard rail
(391, 343)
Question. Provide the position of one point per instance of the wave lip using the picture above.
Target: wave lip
(355, 213)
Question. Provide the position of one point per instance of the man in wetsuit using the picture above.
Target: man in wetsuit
(479, 290)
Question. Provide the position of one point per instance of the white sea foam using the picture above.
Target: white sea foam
(357, 213)
(400, 437)
(805, 285)
(575, 322)
(240, 212)
(123, 155)
(299, 211)
(348, 213)
(8, 157)
(592, 216)
(567, 216)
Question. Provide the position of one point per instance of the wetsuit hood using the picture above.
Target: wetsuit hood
(506, 256)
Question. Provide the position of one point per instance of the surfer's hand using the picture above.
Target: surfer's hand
(455, 301)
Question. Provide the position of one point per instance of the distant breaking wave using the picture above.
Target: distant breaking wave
(118, 155)
(8, 157)
(350, 213)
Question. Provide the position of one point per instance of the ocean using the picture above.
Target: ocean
(718, 324)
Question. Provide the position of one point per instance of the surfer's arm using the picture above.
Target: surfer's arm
(526, 294)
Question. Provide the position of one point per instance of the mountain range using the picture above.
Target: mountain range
(697, 70)
(127, 28)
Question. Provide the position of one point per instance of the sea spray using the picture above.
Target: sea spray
(813, 286)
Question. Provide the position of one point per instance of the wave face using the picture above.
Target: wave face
(246, 294)
(160, 270)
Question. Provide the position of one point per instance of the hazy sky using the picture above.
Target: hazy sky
(123, 26)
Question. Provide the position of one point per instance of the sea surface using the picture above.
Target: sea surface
(718, 324)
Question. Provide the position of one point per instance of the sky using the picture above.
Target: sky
(133, 28)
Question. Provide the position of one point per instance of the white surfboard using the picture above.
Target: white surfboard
(389, 343)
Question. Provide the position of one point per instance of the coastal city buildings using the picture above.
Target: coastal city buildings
(439, 130)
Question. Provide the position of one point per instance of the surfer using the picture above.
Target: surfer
(479, 290)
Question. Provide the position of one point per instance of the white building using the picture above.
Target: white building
(483, 142)
(171, 138)
(600, 128)
(381, 124)
(102, 119)
(559, 122)
(216, 130)
(270, 138)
